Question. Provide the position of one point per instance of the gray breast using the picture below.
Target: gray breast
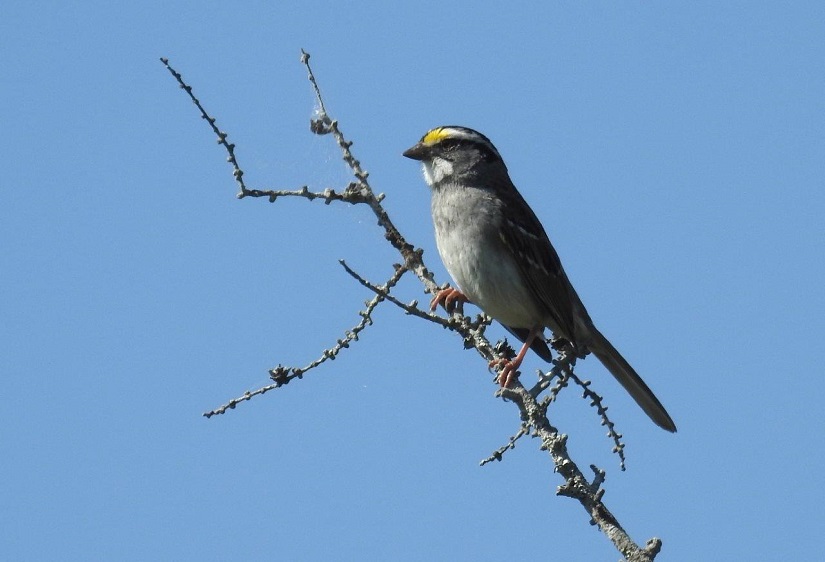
(467, 223)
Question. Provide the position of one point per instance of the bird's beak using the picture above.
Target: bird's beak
(417, 152)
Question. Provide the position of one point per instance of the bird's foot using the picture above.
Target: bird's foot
(449, 298)
(509, 367)
(508, 373)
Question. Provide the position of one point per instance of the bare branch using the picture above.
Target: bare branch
(351, 194)
(282, 375)
(596, 401)
(562, 373)
(498, 454)
(222, 137)
(532, 410)
(576, 486)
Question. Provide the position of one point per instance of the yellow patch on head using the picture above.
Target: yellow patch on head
(435, 135)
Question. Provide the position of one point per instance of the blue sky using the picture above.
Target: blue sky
(674, 152)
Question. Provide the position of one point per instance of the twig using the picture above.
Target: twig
(351, 194)
(596, 401)
(562, 373)
(282, 375)
(498, 454)
(222, 137)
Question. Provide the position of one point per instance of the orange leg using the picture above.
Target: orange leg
(509, 372)
(447, 298)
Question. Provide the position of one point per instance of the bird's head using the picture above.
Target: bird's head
(451, 151)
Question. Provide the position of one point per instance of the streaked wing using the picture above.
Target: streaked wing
(538, 261)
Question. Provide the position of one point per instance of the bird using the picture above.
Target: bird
(501, 259)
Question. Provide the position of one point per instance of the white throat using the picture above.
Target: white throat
(436, 170)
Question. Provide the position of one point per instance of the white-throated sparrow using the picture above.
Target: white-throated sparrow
(498, 254)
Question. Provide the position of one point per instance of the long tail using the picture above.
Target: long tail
(629, 379)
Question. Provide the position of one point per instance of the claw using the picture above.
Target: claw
(508, 373)
(509, 368)
(448, 298)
